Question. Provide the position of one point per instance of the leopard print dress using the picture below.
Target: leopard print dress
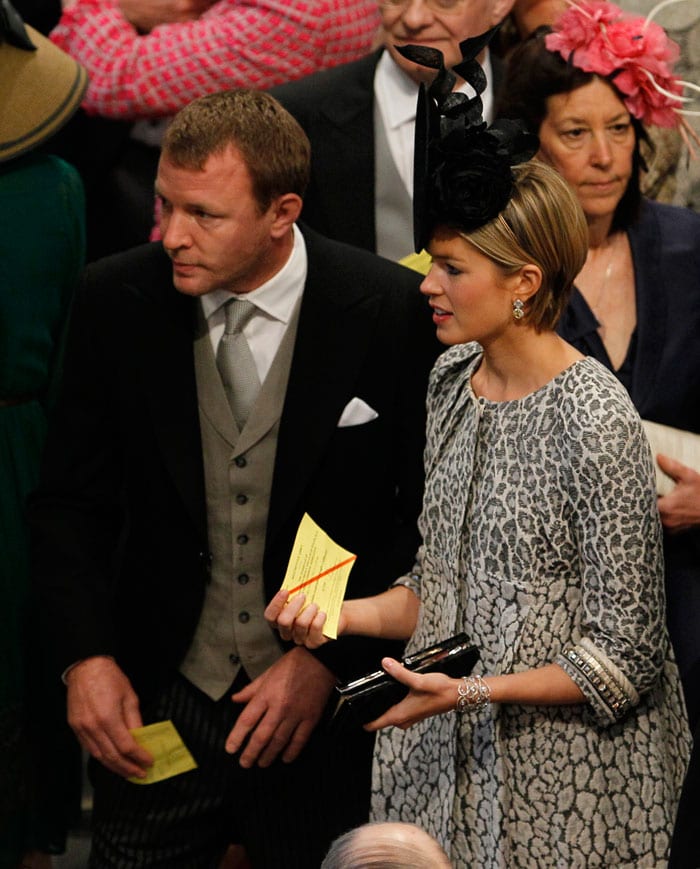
(542, 541)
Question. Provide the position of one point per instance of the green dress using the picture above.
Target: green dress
(42, 230)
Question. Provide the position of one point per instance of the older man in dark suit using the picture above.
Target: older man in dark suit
(217, 388)
(360, 119)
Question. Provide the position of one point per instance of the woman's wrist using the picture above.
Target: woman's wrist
(473, 693)
(548, 685)
(350, 621)
(390, 615)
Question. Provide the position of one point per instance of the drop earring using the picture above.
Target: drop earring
(518, 309)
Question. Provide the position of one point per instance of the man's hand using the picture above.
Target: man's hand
(282, 708)
(144, 15)
(102, 709)
(680, 509)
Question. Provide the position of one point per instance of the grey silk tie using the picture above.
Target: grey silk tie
(235, 361)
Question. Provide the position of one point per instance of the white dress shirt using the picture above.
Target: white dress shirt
(274, 301)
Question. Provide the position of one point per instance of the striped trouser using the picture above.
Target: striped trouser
(285, 815)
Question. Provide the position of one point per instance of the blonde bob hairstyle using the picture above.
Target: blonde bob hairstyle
(543, 224)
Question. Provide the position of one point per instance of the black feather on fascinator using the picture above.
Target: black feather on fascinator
(462, 168)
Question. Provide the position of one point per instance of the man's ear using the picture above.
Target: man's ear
(286, 210)
(499, 10)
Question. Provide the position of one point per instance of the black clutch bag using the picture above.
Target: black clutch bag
(371, 695)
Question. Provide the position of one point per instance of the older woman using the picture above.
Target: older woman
(540, 539)
(586, 88)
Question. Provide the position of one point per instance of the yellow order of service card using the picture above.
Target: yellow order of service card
(170, 755)
(419, 262)
(319, 568)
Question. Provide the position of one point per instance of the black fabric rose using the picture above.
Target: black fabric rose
(471, 172)
(467, 195)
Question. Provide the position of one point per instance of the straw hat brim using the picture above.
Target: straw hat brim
(39, 91)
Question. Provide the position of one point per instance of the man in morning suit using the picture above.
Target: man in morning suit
(360, 119)
(217, 387)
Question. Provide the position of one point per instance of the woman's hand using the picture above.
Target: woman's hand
(302, 626)
(680, 509)
(429, 694)
(391, 614)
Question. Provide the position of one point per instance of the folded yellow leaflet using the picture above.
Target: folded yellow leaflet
(419, 262)
(319, 568)
(171, 756)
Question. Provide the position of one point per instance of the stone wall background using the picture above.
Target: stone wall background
(682, 22)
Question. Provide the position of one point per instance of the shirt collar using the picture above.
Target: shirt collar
(277, 296)
(397, 92)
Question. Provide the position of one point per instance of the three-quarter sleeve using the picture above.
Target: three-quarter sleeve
(618, 535)
(411, 580)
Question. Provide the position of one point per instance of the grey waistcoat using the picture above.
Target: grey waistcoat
(238, 467)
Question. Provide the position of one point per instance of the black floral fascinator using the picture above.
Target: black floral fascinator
(462, 167)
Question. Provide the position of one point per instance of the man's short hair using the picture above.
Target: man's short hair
(274, 147)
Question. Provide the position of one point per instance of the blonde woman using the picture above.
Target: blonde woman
(541, 540)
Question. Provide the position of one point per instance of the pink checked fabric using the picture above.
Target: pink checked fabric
(254, 43)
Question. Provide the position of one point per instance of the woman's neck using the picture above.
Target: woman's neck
(598, 230)
(520, 367)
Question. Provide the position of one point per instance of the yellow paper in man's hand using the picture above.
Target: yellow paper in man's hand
(319, 568)
(170, 754)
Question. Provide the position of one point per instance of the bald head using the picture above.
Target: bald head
(386, 846)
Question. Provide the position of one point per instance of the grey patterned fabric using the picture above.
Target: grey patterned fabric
(541, 535)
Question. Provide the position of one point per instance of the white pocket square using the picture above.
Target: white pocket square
(356, 412)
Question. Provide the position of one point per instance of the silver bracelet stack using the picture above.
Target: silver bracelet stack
(473, 693)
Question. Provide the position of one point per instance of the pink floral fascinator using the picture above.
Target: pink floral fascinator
(633, 52)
